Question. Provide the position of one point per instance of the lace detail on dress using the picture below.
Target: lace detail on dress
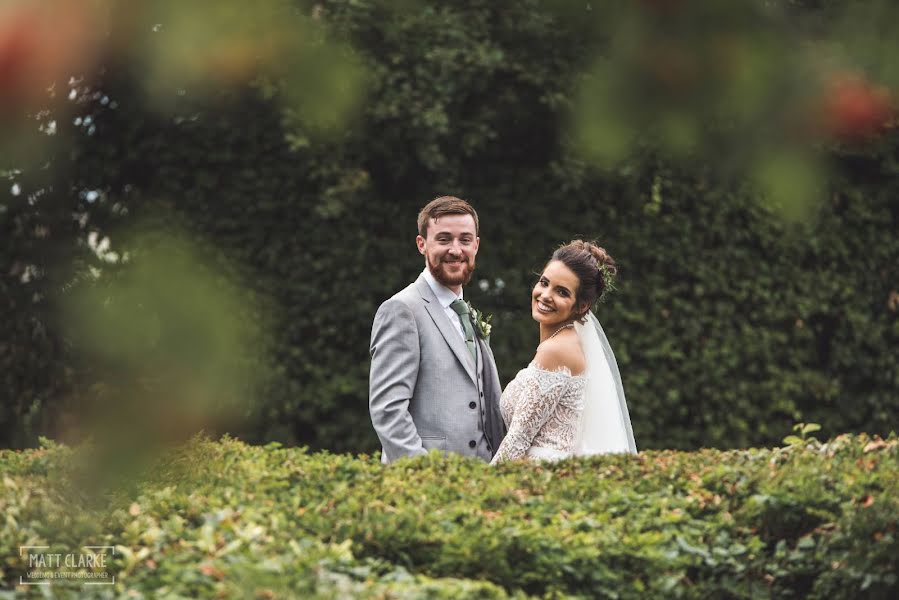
(541, 408)
(560, 369)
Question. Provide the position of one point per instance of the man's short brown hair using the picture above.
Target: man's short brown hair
(442, 206)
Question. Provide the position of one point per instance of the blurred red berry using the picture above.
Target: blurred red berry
(18, 49)
(856, 109)
(42, 43)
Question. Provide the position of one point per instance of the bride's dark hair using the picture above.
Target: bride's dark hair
(595, 269)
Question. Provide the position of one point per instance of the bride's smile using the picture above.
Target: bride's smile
(544, 308)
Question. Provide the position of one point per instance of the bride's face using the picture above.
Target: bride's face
(554, 297)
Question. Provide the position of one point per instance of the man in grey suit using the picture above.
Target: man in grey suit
(433, 380)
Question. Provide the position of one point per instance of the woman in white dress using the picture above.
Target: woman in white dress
(569, 400)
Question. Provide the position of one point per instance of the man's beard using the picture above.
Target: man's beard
(448, 280)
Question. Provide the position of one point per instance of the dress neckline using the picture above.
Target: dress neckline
(560, 370)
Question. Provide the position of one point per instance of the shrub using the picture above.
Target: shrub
(224, 518)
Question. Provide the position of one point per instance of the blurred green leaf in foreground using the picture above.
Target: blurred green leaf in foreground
(171, 347)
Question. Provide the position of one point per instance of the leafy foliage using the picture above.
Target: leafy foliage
(227, 519)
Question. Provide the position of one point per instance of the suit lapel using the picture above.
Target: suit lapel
(446, 327)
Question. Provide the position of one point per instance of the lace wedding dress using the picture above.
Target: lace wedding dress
(542, 409)
(553, 414)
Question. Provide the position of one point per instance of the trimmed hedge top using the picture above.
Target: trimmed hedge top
(225, 519)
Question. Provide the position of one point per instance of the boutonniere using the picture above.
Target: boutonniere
(481, 323)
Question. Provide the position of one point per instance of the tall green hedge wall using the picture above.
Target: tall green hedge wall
(729, 324)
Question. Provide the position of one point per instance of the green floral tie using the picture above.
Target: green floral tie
(461, 309)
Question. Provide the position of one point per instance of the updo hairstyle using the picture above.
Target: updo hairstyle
(594, 267)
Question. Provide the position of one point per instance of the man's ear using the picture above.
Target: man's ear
(420, 242)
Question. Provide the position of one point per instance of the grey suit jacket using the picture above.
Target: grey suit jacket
(424, 391)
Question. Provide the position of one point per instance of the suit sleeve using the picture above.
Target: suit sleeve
(395, 355)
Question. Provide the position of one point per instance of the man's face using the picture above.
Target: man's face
(450, 249)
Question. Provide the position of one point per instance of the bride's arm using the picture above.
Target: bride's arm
(539, 395)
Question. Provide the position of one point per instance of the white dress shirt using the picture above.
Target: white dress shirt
(446, 297)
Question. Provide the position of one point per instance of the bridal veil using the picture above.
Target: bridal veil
(605, 425)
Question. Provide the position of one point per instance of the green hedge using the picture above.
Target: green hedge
(729, 324)
(226, 519)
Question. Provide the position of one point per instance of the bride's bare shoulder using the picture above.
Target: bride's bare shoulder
(561, 353)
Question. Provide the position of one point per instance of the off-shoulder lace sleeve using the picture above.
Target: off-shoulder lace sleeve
(538, 397)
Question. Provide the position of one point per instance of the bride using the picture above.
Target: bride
(569, 400)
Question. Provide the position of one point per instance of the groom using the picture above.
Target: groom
(433, 380)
